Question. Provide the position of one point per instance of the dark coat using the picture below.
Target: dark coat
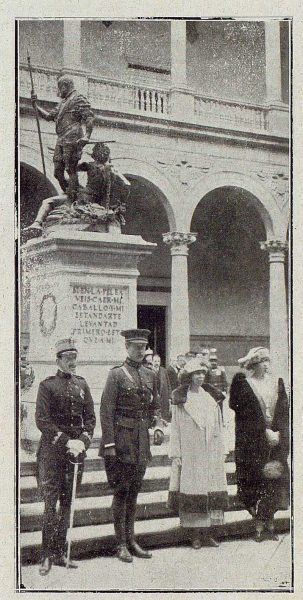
(252, 450)
(64, 411)
(164, 391)
(129, 404)
(173, 377)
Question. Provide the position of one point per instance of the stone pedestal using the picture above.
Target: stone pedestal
(82, 285)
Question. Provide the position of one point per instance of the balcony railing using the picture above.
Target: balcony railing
(115, 95)
(135, 98)
(224, 112)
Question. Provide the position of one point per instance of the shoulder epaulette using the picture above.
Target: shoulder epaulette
(49, 377)
(79, 377)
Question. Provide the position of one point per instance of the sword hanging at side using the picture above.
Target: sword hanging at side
(37, 114)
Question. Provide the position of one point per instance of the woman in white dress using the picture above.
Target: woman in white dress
(198, 488)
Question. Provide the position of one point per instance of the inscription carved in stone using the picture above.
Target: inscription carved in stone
(99, 313)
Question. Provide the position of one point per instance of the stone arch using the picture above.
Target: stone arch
(33, 188)
(145, 171)
(31, 157)
(261, 197)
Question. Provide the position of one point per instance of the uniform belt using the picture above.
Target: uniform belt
(133, 414)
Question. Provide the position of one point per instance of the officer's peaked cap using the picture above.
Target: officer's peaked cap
(66, 345)
(136, 335)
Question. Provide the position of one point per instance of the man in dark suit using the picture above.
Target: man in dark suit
(65, 415)
(164, 388)
(174, 370)
(216, 375)
(129, 406)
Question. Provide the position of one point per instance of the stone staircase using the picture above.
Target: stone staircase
(93, 532)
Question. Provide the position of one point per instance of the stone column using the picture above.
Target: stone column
(278, 112)
(182, 100)
(179, 243)
(72, 44)
(72, 63)
(178, 53)
(273, 61)
(277, 307)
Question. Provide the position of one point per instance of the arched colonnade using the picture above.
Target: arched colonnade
(180, 205)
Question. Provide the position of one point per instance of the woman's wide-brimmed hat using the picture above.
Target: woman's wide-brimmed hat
(192, 366)
(254, 356)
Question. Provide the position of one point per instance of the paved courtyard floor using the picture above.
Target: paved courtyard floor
(235, 565)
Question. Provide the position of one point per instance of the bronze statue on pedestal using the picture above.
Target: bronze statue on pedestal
(102, 201)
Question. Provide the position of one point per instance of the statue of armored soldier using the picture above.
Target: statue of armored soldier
(70, 115)
(102, 201)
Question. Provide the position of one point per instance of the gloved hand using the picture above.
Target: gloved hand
(75, 447)
(33, 97)
(177, 461)
(273, 437)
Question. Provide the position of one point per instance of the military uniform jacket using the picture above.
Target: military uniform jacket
(129, 404)
(64, 411)
(217, 378)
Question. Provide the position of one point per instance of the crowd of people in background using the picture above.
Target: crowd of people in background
(168, 379)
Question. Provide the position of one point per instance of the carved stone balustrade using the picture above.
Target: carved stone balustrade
(232, 114)
(139, 98)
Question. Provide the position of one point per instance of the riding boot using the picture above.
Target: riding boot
(132, 545)
(119, 510)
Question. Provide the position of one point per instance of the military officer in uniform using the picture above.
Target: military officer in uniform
(66, 418)
(129, 406)
(216, 375)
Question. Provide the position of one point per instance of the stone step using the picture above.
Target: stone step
(94, 483)
(95, 463)
(97, 510)
(99, 539)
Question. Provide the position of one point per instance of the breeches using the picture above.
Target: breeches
(55, 481)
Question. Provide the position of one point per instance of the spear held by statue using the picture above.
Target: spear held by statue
(36, 112)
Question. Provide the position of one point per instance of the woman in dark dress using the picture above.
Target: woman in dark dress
(262, 435)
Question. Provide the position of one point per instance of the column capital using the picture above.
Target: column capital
(275, 248)
(179, 241)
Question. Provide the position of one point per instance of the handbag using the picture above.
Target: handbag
(273, 469)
